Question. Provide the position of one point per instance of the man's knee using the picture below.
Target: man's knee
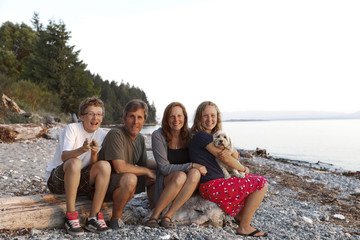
(128, 181)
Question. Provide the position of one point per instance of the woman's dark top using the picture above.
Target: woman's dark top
(199, 154)
(178, 156)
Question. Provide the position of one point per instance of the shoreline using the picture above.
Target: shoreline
(319, 165)
(301, 202)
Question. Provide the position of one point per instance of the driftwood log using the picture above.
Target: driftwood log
(39, 211)
(48, 211)
(11, 105)
(17, 132)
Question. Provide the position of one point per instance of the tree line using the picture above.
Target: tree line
(42, 72)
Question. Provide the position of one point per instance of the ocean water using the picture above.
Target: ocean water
(335, 142)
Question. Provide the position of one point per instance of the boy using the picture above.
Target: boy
(75, 170)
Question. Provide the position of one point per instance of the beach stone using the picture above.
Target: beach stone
(339, 216)
(289, 197)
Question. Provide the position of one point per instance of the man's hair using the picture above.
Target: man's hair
(91, 101)
(133, 106)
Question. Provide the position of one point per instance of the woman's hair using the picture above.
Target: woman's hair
(91, 101)
(133, 106)
(197, 127)
(166, 130)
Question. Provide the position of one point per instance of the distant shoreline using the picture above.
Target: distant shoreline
(286, 119)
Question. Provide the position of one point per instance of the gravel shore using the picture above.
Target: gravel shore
(301, 203)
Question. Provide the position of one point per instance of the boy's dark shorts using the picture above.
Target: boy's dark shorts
(56, 184)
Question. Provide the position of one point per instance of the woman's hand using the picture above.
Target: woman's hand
(222, 155)
(202, 169)
(236, 154)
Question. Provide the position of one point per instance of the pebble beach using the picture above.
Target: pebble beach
(301, 203)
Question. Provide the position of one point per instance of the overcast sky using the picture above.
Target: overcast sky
(243, 55)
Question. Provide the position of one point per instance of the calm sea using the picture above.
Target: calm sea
(334, 142)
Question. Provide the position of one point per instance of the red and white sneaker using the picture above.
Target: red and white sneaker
(72, 224)
(98, 225)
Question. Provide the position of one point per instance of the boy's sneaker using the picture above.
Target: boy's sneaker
(117, 224)
(97, 226)
(72, 224)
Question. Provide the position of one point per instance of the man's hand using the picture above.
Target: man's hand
(151, 174)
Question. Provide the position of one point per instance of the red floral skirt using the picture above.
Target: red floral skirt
(230, 194)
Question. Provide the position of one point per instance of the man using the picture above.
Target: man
(75, 170)
(125, 149)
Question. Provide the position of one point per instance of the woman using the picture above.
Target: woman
(176, 177)
(238, 197)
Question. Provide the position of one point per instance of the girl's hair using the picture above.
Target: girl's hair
(91, 101)
(197, 127)
(166, 130)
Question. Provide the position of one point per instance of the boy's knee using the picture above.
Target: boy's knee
(73, 164)
(103, 166)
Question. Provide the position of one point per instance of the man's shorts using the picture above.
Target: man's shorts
(115, 183)
(56, 184)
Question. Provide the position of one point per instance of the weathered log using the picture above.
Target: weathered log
(17, 132)
(10, 104)
(40, 211)
(48, 211)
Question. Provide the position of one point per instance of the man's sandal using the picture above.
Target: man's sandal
(152, 222)
(166, 223)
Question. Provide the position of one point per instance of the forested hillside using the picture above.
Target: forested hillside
(43, 73)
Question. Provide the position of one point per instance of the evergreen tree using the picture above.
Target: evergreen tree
(16, 44)
(56, 64)
(40, 68)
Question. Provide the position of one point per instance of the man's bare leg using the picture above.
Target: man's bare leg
(123, 194)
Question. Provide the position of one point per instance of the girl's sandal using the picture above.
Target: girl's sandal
(166, 223)
(152, 222)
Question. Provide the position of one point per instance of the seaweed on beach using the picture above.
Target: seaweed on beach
(310, 191)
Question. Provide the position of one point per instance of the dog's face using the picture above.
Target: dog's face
(222, 140)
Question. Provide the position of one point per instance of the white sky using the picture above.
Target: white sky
(242, 55)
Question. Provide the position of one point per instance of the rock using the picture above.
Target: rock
(74, 118)
(339, 216)
(308, 220)
(50, 120)
(199, 211)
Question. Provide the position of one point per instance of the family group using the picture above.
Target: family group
(112, 166)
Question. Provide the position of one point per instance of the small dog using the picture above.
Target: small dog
(223, 141)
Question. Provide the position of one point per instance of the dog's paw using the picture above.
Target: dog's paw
(239, 174)
(226, 175)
